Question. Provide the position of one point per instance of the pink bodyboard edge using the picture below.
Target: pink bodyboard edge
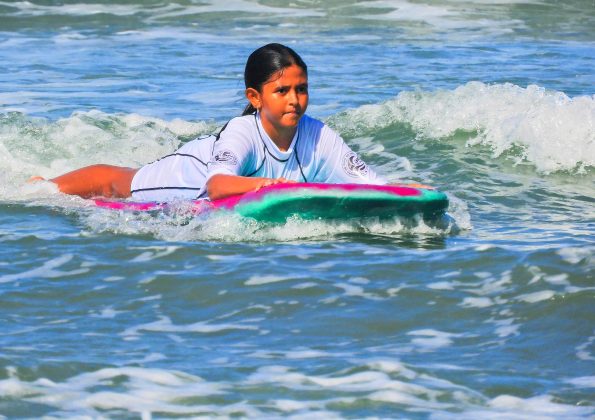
(231, 202)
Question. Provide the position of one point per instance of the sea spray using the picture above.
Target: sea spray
(546, 128)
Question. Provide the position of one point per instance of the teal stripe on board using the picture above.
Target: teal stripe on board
(340, 205)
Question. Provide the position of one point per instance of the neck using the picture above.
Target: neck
(283, 141)
(281, 137)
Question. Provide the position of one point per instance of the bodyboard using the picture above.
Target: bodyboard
(312, 201)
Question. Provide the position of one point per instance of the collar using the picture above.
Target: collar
(272, 148)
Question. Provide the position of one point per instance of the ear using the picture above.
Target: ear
(253, 97)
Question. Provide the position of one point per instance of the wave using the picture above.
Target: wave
(546, 128)
(230, 227)
(373, 382)
(37, 146)
(442, 17)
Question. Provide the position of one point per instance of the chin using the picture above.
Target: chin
(293, 120)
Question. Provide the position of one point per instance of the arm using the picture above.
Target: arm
(222, 186)
(414, 185)
(339, 164)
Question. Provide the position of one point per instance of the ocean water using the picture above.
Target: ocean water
(121, 315)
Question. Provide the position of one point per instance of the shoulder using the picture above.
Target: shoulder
(316, 129)
(319, 133)
(240, 129)
(307, 122)
(243, 122)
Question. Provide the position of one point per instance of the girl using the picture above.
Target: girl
(272, 142)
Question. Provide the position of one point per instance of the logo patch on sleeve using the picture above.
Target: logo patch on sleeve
(225, 157)
(354, 166)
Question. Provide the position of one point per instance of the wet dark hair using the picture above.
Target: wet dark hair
(264, 62)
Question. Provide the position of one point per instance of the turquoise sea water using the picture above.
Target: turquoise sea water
(118, 315)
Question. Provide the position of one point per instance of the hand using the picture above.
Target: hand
(35, 179)
(427, 187)
(266, 182)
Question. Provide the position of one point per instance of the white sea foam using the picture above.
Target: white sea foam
(429, 340)
(266, 279)
(182, 225)
(540, 405)
(35, 146)
(506, 327)
(575, 255)
(26, 8)
(584, 351)
(546, 128)
(369, 381)
(442, 285)
(108, 313)
(537, 296)
(356, 291)
(582, 381)
(391, 382)
(440, 17)
(306, 285)
(141, 390)
(477, 302)
(245, 7)
(154, 252)
(202, 327)
(144, 391)
(48, 270)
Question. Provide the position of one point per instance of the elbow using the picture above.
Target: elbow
(216, 187)
(212, 189)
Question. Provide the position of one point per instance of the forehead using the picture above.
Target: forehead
(293, 74)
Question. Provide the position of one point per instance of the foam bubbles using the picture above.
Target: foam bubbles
(48, 270)
(141, 390)
(227, 226)
(26, 8)
(166, 325)
(35, 146)
(546, 128)
(583, 381)
(541, 405)
(477, 302)
(420, 17)
(537, 296)
(266, 279)
(575, 255)
(429, 339)
(154, 252)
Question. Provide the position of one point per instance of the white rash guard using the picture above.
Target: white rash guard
(316, 154)
(179, 176)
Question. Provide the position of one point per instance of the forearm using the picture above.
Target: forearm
(222, 186)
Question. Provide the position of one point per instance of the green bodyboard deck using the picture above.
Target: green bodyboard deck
(310, 201)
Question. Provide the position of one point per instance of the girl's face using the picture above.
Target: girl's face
(282, 102)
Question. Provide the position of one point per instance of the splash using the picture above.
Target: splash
(548, 129)
(35, 146)
(180, 225)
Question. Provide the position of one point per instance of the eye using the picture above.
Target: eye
(302, 89)
(282, 90)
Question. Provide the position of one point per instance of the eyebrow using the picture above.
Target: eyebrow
(284, 86)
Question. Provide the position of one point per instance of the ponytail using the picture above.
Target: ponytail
(249, 110)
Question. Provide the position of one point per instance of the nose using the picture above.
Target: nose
(292, 97)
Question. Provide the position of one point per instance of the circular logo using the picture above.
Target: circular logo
(354, 166)
(225, 157)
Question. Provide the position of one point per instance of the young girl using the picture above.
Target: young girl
(272, 142)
